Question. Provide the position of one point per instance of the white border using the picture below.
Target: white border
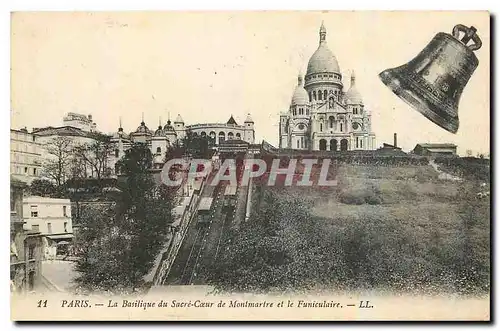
(97, 5)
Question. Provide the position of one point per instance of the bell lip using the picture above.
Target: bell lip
(415, 101)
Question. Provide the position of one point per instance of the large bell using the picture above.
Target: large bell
(434, 80)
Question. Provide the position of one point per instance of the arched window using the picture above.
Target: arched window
(158, 150)
(314, 95)
(325, 93)
(361, 143)
(331, 122)
(320, 127)
(310, 96)
(298, 144)
(294, 112)
(307, 111)
(117, 152)
(319, 95)
(222, 136)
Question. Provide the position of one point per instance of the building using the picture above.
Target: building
(25, 155)
(49, 216)
(80, 121)
(434, 150)
(172, 132)
(321, 115)
(25, 245)
(30, 151)
(52, 218)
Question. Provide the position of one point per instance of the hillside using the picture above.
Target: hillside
(395, 228)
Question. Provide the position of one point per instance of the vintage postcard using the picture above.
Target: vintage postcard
(277, 166)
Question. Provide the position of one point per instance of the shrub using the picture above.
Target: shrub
(370, 195)
(373, 199)
(351, 198)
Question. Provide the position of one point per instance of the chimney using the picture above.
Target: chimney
(395, 140)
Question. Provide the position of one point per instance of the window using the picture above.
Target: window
(298, 144)
(319, 95)
(117, 152)
(34, 213)
(294, 112)
(64, 211)
(357, 142)
(341, 127)
(31, 252)
(325, 93)
(12, 202)
(314, 95)
(34, 171)
(49, 227)
(35, 227)
(361, 143)
(320, 127)
(25, 170)
(307, 111)
(34, 138)
(158, 149)
(65, 226)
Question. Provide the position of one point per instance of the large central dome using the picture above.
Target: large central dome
(323, 59)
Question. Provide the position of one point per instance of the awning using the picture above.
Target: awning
(60, 236)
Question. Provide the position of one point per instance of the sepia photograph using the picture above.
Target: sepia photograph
(250, 165)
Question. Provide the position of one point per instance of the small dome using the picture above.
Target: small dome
(168, 127)
(300, 96)
(249, 119)
(120, 134)
(143, 128)
(159, 132)
(179, 119)
(353, 97)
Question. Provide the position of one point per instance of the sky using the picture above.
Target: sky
(208, 66)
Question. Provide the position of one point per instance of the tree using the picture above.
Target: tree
(94, 156)
(198, 146)
(267, 252)
(123, 239)
(46, 188)
(57, 166)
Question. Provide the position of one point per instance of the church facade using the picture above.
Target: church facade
(321, 115)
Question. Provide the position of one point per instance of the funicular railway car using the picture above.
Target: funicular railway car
(198, 185)
(204, 215)
(230, 196)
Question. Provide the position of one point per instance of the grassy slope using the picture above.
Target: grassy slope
(415, 208)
